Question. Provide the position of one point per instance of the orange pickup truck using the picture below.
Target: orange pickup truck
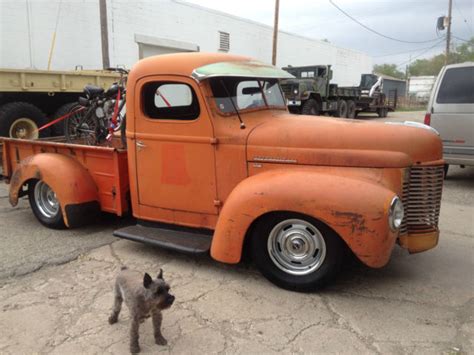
(215, 163)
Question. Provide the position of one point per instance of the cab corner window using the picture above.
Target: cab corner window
(170, 101)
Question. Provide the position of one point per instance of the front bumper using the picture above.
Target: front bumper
(417, 243)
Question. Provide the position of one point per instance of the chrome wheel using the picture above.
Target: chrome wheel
(46, 200)
(24, 128)
(296, 247)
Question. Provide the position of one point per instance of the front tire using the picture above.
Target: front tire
(311, 107)
(296, 252)
(45, 205)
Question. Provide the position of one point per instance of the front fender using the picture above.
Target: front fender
(355, 209)
(74, 187)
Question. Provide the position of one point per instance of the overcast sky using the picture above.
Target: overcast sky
(402, 19)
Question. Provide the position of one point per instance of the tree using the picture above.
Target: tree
(462, 53)
(389, 69)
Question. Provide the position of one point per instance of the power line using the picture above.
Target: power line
(420, 54)
(376, 32)
(459, 38)
(460, 14)
(404, 52)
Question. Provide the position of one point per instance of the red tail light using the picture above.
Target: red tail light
(428, 118)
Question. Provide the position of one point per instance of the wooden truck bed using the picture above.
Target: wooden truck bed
(106, 165)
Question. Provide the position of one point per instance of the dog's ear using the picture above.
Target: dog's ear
(147, 280)
(160, 274)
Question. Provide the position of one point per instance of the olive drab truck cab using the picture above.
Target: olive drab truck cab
(216, 164)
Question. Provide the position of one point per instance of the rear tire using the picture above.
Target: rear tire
(351, 109)
(21, 120)
(311, 107)
(45, 205)
(382, 112)
(296, 252)
(342, 109)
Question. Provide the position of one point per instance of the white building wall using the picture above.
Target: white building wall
(78, 35)
(420, 86)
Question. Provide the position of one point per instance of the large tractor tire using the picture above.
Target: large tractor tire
(341, 109)
(382, 112)
(311, 107)
(351, 109)
(22, 120)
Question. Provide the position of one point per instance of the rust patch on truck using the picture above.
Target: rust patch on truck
(355, 221)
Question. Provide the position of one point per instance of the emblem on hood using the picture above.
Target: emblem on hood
(275, 160)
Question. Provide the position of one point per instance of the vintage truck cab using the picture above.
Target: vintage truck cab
(217, 164)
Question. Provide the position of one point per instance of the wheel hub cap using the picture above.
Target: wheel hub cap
(46, 200)
(296, 246)
(24, 128)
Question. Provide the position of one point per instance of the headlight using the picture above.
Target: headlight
(295, 91)
(395, 214)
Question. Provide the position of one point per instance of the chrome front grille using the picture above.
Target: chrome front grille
(421, 198)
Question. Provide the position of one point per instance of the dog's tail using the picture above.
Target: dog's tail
(123, 267)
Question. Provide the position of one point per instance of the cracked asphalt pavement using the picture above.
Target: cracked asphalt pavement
(56, 294)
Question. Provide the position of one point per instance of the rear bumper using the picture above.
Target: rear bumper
(459, 159)
(417, 243)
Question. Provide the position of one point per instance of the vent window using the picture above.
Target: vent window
(224, 41)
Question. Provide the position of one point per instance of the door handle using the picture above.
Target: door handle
(140, 145)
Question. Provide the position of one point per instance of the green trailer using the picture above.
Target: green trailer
(30, 98)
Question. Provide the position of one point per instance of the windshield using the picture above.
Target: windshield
(246, 93)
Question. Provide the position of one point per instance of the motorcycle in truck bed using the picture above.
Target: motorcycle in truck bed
(216, 164)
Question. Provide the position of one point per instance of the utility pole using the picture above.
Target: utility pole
(275, 32)
(104, 34)
(448, 34)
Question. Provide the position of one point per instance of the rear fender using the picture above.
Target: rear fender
(357, 210)
(74, 187)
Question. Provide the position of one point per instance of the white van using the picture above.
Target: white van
(451, 113)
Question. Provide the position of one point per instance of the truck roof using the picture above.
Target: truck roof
(204, 65)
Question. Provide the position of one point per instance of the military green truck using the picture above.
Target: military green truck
(31, 98)
(312, 93)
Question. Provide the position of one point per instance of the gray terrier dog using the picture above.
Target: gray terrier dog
(144, 297)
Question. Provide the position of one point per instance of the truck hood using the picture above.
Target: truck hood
(309, 140)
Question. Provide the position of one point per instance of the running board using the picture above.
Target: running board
(184, 242)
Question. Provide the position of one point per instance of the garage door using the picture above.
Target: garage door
(149, 46)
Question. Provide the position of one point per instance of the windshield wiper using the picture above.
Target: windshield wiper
(242, 124)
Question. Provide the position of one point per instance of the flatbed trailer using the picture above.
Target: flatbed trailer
(312, 93)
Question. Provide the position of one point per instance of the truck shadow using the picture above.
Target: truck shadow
(353, 276)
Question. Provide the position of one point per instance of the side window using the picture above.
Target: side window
(170, 100)
(457, 86)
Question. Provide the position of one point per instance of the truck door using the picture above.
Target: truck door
(175, 160)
